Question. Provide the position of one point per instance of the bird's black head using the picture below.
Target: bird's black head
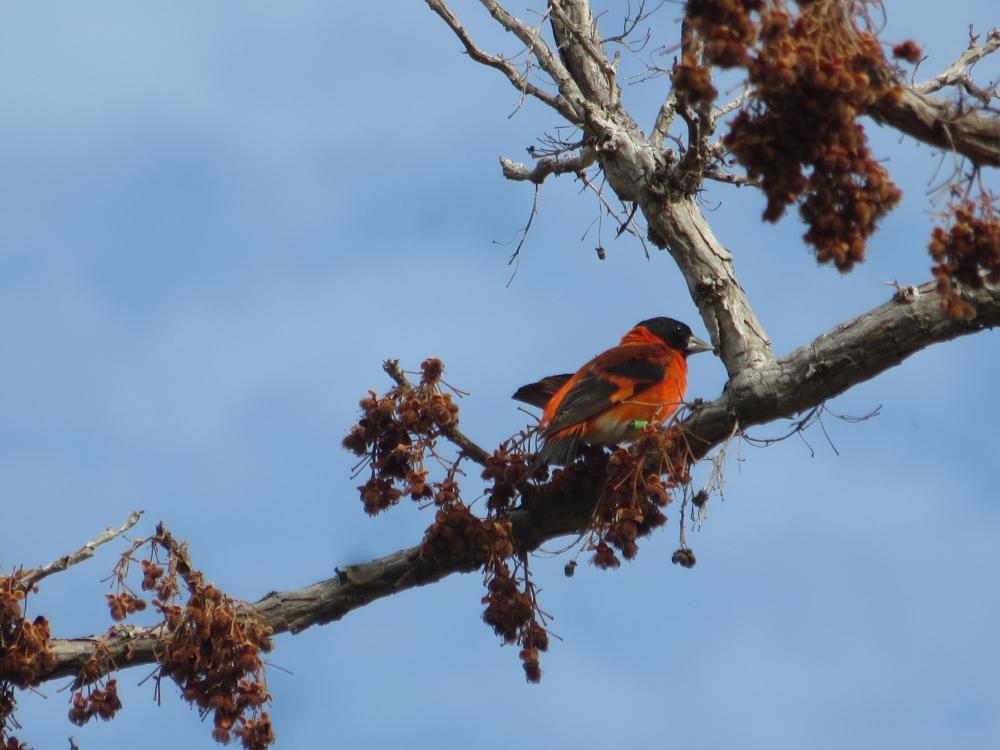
(677, 335)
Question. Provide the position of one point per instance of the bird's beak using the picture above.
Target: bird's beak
(695, 345)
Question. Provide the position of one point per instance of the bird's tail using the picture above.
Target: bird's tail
(557, 449)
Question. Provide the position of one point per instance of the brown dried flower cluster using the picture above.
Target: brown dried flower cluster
(727, 31)
(393, 435)
(214, 655)
(103, 703)
(512, 611)
(813, 74)
(967, 253)
(726, 27)
(124, 604)
(24, 647)
(459, 535)
(635, 493)
(908, 51)
(504, 470)
(212, 647)
(25, 654)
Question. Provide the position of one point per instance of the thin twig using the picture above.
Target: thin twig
(547, 59)
(729, 178)
(515, 257)
(505, 66)
(725, 109)
(30, 577)
(957, 72)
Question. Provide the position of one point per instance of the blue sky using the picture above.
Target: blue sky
(217, 221)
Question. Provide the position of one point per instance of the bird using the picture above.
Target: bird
(617, 393)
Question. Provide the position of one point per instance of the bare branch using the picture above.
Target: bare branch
(851, 353)
(971, 132)
(505, 66)
(729, 178)
(664, 119)
(732, 106)
(548, 165)
(708, 270)
(30, 577)
(624, 224)
(958, 72)
(547, 60)
(582, 51)
(290, 611)
(515, 257)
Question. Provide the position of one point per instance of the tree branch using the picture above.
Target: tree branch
(958, 71)
(548, 165)
(29, 578)
(664, 119)
(971, 132)
(582, 51)
(707, 266)
(505, 66)
(849, 354)
(454, 435)
(547, 61)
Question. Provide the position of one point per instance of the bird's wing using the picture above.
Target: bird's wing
(610, 378)
(538, 394)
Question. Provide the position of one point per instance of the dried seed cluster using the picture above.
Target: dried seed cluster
(504, 470)
(124, 604)
(103, 703)
(635, 493)
(683, 557)
(214, 655)
(393, 435)
(967, 253)
(25, 654)
(813, 74)
(512, 611)
(459, 535)
(24, 649)
(726, 27)
(727, 31)
(212, 647)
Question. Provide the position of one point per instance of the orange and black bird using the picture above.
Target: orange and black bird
(617, 393)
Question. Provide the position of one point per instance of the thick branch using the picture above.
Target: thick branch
(708, 270)
(970, 132)
(849, 354)
(582, 51)
(641, 172)
(973, 132)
